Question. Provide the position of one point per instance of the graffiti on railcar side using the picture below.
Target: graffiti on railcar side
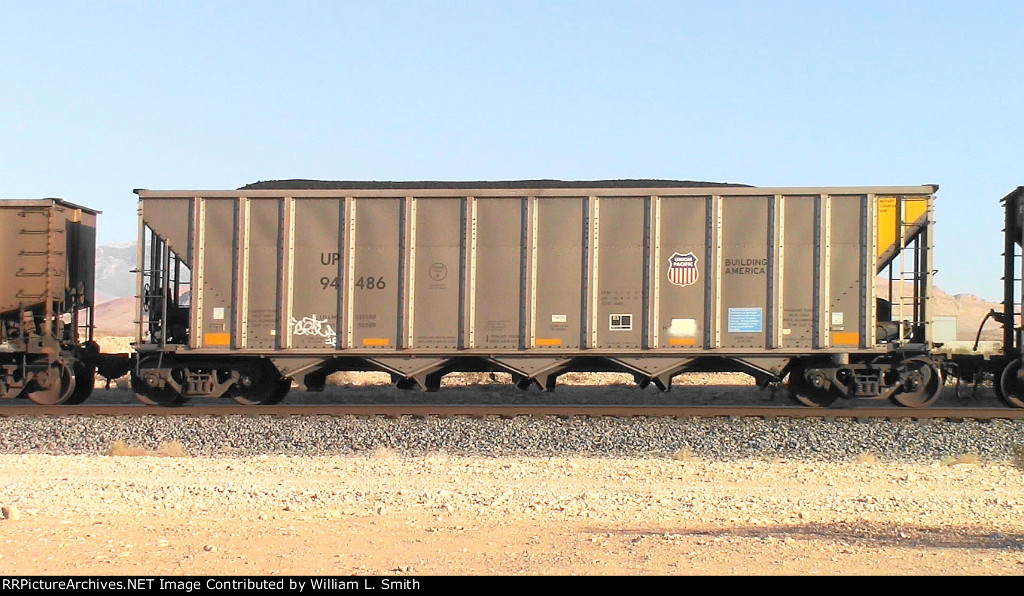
(314, 327)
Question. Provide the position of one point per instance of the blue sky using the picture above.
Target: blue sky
(98, 98)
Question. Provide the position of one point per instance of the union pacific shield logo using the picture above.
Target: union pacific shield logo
(682, 269)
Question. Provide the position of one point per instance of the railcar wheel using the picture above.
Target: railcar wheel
(922, 383)
(156, 396)
(806, 393)
(1010, 387)
(284, 385)
(85, 378)
(55, 385)
(268, 391)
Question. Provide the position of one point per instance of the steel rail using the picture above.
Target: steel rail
(508, 411)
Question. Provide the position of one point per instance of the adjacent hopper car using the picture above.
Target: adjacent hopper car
(244, 293)
(47, 269)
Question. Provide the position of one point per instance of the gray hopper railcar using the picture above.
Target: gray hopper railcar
(242, 292)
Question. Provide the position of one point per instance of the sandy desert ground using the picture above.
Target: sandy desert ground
(441, 515)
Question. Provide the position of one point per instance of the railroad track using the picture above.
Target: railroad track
(507, 411)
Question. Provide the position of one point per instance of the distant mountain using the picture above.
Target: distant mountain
(114, 277)
(968, 309)
(115, 317)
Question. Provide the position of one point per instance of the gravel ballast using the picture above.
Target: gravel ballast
(709, 438)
